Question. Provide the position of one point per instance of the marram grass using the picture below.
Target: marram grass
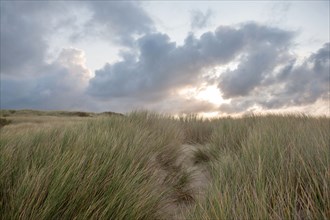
(115, 167)
(273, 167)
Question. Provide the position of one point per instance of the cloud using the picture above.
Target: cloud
(25, 30)
(266, 77)
(27, 80)
(162, 68)
(22, 44)
(153, 69)
(199, 19)
(291, 85)
(162, 65)
(59, 85)
(265, 48)
(305, 83)
(118, 21)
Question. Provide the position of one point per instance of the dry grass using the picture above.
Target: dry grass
(4, 121)
(58, 165)
(272, 167)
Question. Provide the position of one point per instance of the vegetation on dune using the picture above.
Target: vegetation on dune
(4, 121)
(93, 169)
(29, 113)
(272, 167)
(113, 167)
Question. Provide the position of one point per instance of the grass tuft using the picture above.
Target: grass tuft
(55, 165)
(4, 121)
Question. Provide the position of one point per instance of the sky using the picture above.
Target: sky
(213, 58)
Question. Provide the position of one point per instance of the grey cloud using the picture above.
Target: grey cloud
(162, 67)
(59, 85)
(237, 105)
(308, 82)
(320, 59)
(300, 84)
(22, 44)
(285, 71)
(119, 21)
(152, 72)
(27, 81)
(251, 71)
(220, 47)
(200, 19)
(266, 48)
(27, 25)
(261, 34)
(293, 85)
(24, 34)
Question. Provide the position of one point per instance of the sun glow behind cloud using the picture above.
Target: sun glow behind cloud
(211, 94)
(91, 56)
(205, 93)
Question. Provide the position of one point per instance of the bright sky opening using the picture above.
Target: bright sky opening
(210, 58)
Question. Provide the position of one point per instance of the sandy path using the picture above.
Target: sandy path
(195, 186)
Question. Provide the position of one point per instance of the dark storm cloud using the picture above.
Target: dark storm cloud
(162, 66)
(200, 19)
(119, 21)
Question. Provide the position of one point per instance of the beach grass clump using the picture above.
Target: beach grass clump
(143, 165)
(89, 170)
(278, 170)
(4, 121)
